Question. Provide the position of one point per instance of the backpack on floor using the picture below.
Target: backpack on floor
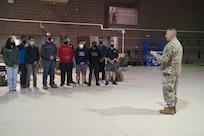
(119, 76)
(3, 81)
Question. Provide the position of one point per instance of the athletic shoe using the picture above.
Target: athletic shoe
(23, 87)
(72, 82)
(89, 84)
(114, 83)
(106, 83)
(77, 85)
(97, 84)
(54, 86)
(45, 87)
(36, 88)
(28, 89)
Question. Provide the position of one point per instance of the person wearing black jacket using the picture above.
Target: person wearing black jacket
(93, 58)
(31, 60)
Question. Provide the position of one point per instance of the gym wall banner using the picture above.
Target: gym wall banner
(123, 16)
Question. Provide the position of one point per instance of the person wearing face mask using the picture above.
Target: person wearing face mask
(111, 57)
(31, 59)
(102, 49)
(93, 58)
(11, 59)
(66, 53)
(22, 65)
(48, 54)
(81, 57)
(71, 45)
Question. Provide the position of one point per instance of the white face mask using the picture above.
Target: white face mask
(69, 40)
(81, 46)
(32, 43)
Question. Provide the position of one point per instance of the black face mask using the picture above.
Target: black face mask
(24, 42)
(112, 45)
(12, 43)
(100, 42)
(66, 42)
(49, 39)
(94, 46)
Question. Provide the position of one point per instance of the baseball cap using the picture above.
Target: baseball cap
(48, 34)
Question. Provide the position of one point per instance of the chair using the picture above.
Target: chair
(133, 57)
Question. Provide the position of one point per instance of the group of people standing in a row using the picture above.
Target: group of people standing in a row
(25, 57)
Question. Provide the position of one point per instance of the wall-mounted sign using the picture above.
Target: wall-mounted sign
(124, 16)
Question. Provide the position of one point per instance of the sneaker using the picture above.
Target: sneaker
(28, 89)
(77, 85)
(61, 84)
(23, 86)
(106, 83)
(114, 83)
(85, 83)
(36, 88)
(89, 84)
(72, 82)
(45, 87)
(54, 86)
(97, 84)
(68, 85)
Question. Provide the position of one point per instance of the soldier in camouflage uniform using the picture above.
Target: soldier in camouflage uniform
(171, 61)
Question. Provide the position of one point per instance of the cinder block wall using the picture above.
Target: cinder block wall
(153, 14)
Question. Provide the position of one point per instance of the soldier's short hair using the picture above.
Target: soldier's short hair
(173, 30)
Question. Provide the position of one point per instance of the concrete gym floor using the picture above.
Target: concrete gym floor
(129, 109)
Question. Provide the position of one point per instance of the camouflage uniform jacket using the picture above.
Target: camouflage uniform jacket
(171, 59)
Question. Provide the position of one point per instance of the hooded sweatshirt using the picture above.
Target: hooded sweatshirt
(81, 55)
(65, 50)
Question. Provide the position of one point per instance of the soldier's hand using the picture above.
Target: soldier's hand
(154, 53)
(35, 63)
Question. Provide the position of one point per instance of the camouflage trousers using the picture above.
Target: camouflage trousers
(170, 84)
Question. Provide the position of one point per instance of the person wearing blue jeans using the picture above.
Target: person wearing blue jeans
(48, 54)
(11, 59)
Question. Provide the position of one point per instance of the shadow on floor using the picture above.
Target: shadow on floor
(9, 96)
(126, 110)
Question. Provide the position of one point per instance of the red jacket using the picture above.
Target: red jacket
(64, 51)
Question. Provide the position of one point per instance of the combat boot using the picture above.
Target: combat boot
(168, 107)
(169, 110)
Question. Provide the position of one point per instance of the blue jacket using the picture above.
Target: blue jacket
(103, 49)
(81, 55)
(21, 49)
